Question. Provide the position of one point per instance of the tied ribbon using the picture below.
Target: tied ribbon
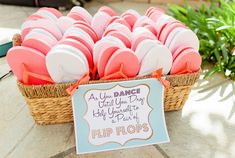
(158, 75)
(85, 78)
(185, 70)
(27, 73)
(119, 72)
(93, 72)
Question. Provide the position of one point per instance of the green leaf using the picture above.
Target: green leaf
(212, 71)
(223, 28)
(214, 20)
(225, 53)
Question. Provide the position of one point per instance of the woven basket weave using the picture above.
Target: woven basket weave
(50, 104)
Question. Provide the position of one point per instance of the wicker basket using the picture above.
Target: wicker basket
(50, 104)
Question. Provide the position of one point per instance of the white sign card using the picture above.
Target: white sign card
(118, 115)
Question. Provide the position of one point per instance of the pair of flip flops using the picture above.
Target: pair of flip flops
(114, 60)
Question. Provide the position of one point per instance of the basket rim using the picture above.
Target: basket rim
(106, 81)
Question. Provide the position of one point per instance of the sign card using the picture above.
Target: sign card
(118, 115)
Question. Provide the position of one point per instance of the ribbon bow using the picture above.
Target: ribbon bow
(158, 75)
(185, 69)
(85, 78)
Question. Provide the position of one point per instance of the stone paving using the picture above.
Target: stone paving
(203, 129)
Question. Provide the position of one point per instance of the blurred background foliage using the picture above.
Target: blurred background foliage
(214, 24)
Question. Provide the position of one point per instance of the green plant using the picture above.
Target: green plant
(215, 27)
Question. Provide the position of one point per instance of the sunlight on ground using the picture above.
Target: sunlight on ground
(211, 112)
(6, 34)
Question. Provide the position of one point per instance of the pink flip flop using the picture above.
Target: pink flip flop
(130, 19)
(124, 38)
(34, 17)
(158, 57)
(153, 9)
(155, 15)
(125, 58)
(180, 50)
(187, 62)
(167, 30)
(83, 23)
(45, 24)
(142, 21)
(131, 12)
(122, 21)
(81, 47)
(88, 26)
(104, 43)
(118, 27)
(104, 57)
(64, 23)
(24, 33)
(152, 29)
(83, 13)
(33, 60)
(172, 35)
(88, 30)
(76, 17)
(150, 9)
(140, 30)
(107, 10)
(100, 22)
(47, 15)
(39, 42)
(79, 34)
(54, 11)
(43, 32)
(80, 39)
(112, 19)
(144, 47)
(131, 16)
(138, 39)
(184, 37)
(162, 22)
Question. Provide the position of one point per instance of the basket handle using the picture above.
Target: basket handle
(27, 73)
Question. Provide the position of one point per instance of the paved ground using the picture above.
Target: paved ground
(203, 129)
